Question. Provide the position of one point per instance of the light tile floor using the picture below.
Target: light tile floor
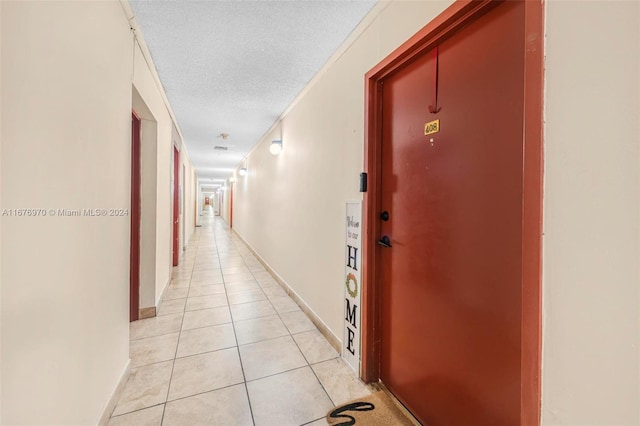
(230, 347)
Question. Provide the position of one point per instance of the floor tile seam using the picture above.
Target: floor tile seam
(232, 291)
(268, 339)
(244, 377)
(206, 295)
(205, 326)
(241, 282)
(283, 372)
(164, 409)
(261, 317)
(274, 308)
(313, 421)
(155, 335)
(205, 392)
(197, 278)
(136, 410)
(250, 301)
(204, 309)
(244, 303)
(305, 358)
(175, 354)
(208, 352)
(207, 279)
(176, 298)
(315, 375)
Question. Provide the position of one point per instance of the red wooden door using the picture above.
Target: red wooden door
(451, 280)
(176, 206)
(134, 245)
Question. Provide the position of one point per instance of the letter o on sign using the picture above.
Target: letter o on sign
(353, 293)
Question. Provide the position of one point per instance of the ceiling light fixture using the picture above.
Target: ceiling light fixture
(242, 171)
(276, 147)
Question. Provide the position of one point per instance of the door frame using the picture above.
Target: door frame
(175, 226)
(136, 205)
(231, 205)
(453, 18)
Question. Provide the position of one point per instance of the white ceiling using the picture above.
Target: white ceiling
(234, 66)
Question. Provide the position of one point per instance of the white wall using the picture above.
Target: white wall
(1, 206)
(225, 205)
(591, 244)
(145, 84)
(148, 185)
(189, 197)
(299, 196)
(167, 136)
(66, 111)
(66, 114)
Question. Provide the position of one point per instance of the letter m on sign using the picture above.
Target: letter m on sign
(351, 313)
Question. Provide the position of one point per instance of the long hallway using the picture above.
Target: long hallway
(230, 347)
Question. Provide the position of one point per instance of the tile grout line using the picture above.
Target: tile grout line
(173, 365)
(145, 365)
(235, 335)
(299, 349)
(297, 346)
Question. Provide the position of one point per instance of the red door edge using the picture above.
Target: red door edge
(443, 25)
(134, 245)
(176, 206)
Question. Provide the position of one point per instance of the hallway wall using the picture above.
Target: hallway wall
(167, 136)
(299, 195)
(66, 108)
(67, 76)
(190, 196)
(225, 206)
(591, 372)
(290, 207)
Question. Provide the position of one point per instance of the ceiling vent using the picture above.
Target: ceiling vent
(220, 148)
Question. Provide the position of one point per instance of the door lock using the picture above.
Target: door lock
(384, 215)
(385, 242)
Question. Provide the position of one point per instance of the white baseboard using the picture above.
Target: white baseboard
(315, 319)
(115, 397)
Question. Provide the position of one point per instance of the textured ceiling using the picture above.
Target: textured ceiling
(234, 66)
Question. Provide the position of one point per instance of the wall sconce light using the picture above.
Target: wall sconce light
(232, 179)
(276, 147)
(243, 171)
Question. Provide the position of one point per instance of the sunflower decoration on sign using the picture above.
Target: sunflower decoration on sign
(351, 277)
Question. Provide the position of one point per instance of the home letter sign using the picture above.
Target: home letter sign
(352, 282)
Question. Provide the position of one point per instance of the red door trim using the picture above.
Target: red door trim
(134, 245)
(176, 206)
(455, 16)
(531, 340)
(231, 205)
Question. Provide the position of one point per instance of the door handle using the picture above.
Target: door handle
(385, 242)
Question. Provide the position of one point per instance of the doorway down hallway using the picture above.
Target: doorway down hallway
(230, 347)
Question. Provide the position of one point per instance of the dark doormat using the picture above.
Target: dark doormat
(376, 409)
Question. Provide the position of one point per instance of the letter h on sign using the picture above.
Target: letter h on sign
(352, 256)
